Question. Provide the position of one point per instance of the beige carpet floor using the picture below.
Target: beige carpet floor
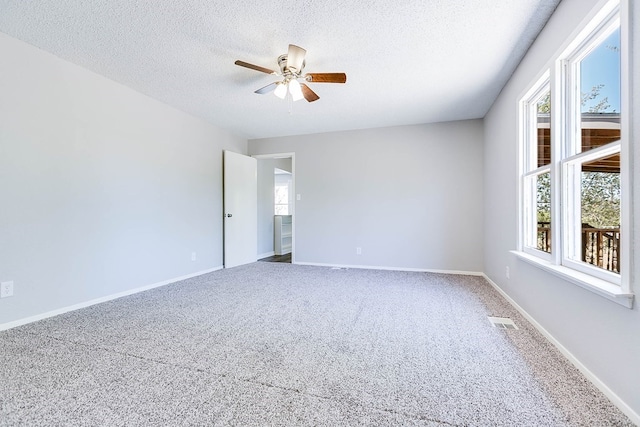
(288, 345)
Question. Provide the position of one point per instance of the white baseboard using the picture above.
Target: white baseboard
(30, 319)
(614, 398)
(377, 267)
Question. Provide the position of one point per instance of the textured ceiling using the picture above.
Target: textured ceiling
(407, 61)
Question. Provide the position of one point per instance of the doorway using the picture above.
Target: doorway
(276, 207)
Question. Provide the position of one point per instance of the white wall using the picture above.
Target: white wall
(410, 196)
(266, 203)
(102, 189)
(602, 335)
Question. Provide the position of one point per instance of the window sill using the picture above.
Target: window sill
(598, 286)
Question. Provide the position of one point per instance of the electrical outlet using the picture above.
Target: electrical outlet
(358, 250)
(506, 272)
(193, 256)
(6, 289)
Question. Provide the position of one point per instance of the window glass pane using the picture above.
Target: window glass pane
(282, 194)
(543, 129)
(281, 197)
(282, 209)
(600, 94)
(600, 210)
(543, 212)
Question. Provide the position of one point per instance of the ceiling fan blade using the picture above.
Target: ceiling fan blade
(326, 77)
(308, 94)
(255, 67)
(295, 57)
(268, 88)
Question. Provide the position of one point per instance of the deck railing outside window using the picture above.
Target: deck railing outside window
(600, 246)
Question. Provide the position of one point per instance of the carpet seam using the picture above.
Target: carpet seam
(247, 380)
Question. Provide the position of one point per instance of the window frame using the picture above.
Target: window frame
(528, 120)
(571, 174)
(565, 121)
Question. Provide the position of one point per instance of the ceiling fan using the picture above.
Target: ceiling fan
(291, 66)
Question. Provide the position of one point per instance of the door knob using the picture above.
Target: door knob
(229, 215)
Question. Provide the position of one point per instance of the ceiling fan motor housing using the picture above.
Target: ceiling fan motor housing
(286, 71)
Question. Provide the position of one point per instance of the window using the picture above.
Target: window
(537, 168)
(573, 174)
(591, 164)
(282, 196)
(282, 199)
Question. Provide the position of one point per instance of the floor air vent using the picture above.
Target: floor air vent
(502, 323)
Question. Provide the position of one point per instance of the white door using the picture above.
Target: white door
(240, 209)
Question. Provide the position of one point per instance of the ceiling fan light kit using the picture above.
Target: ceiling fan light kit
(295, 90)
(291, 65)
(280, 91)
